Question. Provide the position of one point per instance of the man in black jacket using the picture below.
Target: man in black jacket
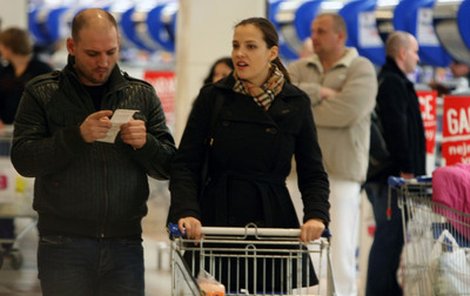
(399, 113)
(91, 188)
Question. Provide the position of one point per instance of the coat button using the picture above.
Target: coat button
(271, 130)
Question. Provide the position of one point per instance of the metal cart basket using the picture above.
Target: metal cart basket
(436, 253)
(15, 202)
(252, 261)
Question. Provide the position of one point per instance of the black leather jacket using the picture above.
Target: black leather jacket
(97, 189)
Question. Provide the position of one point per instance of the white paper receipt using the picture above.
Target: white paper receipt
(120, 116)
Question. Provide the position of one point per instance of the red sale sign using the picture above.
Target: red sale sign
(456, 130)
(165, 85)
(427, 103)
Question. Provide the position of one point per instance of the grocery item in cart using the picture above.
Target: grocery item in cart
(209, 285)
(436, 254)
(451, 187)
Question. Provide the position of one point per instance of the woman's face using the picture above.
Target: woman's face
(221, 70)
(250, 54)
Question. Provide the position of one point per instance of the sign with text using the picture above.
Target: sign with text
(456, 130)
(427, 103)
(165, 85)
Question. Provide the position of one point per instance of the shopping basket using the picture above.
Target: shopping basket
(252, 261)
(436, 253)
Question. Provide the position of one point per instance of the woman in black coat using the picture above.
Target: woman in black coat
(253, 122)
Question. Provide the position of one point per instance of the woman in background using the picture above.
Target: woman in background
(220, 69)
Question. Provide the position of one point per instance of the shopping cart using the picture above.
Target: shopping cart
(252, 261)
(436, 253)
(15, 202)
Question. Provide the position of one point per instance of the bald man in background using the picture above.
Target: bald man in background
(91, 194)
(400, 116)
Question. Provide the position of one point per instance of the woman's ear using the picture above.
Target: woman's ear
(274, 53)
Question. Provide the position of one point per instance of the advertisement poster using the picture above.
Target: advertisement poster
(368, 33)
(165, 85)
(427, 103)
(456, 130)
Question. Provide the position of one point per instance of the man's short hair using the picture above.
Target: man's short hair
(395, 41)
(338, 22)
(82, 20)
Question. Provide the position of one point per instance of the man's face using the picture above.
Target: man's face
(96, 52)
(411, 57)
(325, 38)
(459, 69)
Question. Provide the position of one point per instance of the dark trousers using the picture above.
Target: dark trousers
(95, 267)
(7, 231)
(384, 256)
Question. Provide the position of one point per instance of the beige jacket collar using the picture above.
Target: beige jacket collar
(346, 60)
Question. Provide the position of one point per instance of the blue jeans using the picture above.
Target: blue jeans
(384, 256)
(94, 267)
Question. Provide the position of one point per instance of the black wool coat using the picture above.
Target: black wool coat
(399, 112)
(249, 161)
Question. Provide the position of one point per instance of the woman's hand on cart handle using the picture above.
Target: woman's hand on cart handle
(190, 227)
(312, 230)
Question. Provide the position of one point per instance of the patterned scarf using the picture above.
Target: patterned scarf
(263, 95)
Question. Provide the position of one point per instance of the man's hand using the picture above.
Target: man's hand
(407, 175)
(311, 230)
(191, 227)
(96, 126)
(134, 133)
(326, 93)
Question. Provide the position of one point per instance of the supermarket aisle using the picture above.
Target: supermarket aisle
(24, 282)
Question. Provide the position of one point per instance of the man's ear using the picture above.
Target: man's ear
(70, 46)
(401, 53)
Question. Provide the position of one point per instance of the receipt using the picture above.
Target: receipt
(120, 116)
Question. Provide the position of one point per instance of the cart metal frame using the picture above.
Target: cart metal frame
(423, 223)
(263, 246)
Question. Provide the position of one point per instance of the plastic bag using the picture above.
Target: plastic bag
(450, 266)
(208, 285)
(414, 258)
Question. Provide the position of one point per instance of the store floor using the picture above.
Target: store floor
(24, 282)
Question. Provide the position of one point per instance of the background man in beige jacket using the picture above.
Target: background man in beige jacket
(342, 87)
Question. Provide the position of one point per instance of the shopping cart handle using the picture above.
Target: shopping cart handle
(395, 181)
(399, 181)
(424, 179)
(174, 231)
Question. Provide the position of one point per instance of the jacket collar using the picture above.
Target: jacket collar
(391, 66)
(344, 61)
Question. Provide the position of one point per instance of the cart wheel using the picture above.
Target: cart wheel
(16, 259)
